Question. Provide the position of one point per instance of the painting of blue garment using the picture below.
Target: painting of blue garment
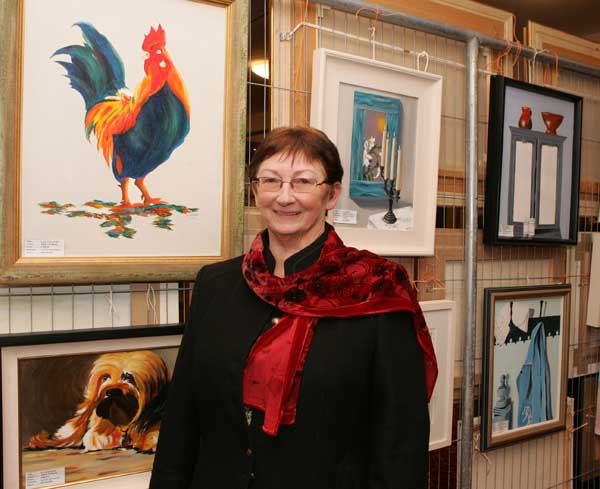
(532, 361)
(534, 381)
(525, 362)
(373, 116)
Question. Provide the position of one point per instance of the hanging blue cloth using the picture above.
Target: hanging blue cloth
(533, 382)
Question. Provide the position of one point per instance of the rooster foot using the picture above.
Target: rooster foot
(148, 199)
(153, 200)
(126, 205)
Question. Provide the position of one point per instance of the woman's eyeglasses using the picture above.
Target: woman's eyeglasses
(298, 185)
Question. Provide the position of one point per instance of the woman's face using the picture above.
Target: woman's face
(288, 214)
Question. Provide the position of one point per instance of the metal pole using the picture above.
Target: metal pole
(468, 380)
(440, 29)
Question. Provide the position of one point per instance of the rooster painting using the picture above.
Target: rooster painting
(135, 133)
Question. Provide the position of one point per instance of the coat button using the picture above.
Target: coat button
(275, 320)
(252, 476)
(249, 452)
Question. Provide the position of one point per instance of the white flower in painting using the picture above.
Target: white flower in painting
(368, 145)
(370, 159)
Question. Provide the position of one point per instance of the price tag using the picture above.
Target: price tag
(44, 248)
(500, 426)
(345, 216)
(506, 230)
(530, 229)
(44, 478)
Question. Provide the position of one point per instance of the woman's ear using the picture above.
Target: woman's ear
(253, 188)
(335, 189)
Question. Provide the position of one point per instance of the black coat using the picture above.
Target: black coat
(362, 420)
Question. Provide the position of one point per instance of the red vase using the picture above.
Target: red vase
(525, 119)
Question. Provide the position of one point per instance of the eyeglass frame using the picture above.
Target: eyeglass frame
(281, 182)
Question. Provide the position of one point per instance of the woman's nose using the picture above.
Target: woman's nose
(286, 194)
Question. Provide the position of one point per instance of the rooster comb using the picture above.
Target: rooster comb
(153, 38)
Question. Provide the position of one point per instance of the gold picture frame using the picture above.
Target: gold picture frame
(525, 362)
(154, 263)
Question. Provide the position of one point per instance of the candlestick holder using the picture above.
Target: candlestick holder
(393, 195)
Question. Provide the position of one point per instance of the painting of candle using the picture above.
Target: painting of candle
(392, 152)
(384, 150)
(376, 119)
(378, 140)
(399, 168)
(392, 166)
(385, 121)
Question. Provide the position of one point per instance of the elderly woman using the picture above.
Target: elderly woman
(305, 364)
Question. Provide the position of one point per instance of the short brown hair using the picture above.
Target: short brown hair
(312, 143)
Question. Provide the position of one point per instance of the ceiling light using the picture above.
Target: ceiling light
(260, 67)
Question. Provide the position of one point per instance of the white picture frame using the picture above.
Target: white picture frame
(339, 79)
(439, 315)
(593, 306)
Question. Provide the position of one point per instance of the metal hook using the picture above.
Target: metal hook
(372, 31)
(111, 305)
(151, 302)
(426, 55)
(537, 51)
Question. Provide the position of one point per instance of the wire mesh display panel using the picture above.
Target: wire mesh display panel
(61, 308)
(568, 458)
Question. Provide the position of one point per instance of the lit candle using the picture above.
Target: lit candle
(398, 168)
(384, 152)
(393, 158)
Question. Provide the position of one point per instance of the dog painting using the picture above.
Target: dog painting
(98, 415)
(121, 406)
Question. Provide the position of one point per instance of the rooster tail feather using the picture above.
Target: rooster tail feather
(96, 70)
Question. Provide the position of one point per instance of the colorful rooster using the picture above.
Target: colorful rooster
(135, 133)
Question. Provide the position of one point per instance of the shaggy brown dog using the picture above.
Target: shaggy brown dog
(122, 405)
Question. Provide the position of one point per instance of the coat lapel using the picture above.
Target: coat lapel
(247, 314)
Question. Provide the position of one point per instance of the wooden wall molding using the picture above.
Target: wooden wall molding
(563, 44)
(460, 13)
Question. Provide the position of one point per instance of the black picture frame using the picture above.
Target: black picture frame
(73, 346)
(526, 330)
(533, 164)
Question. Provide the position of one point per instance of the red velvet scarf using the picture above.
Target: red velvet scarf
(343, 282)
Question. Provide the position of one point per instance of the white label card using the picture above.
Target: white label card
(44, 247)
(44, 478)
(506, 230)
(530, 228)
(345, 216)
(500, 426)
